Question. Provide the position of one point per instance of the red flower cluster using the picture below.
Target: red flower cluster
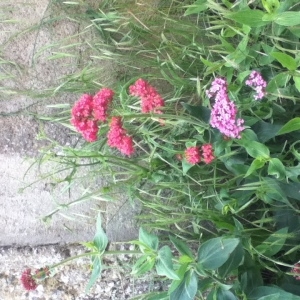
(194, 155)
(207, 153)
(28, 280)
(118, 138)
(88, 110)
(151, 101)
(101, 102)
(296, 271)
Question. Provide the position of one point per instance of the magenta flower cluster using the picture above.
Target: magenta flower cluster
(256, 81)
(224, 112)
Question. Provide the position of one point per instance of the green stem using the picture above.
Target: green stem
(87, 254)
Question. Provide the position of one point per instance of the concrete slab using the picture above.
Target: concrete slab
(25, 67)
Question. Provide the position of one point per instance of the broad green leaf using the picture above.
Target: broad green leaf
(181, 272)
(251, 279)
(187, 289)
(271, 6)
(144, 264)
(185, 166)
(255, 149)
(288, 18)
(96, 271)
(148, 239)
(263, 291)
(164, 264)
(100, 240)
(290, 126)
(274, 243)
(293, 173)
(286, 60)
(291, 189)
(233, 262)
(197, 7)
(250, 17)
(276, 168)
(271, 190)
(279, 81)
(297, 82)
(221, 294)
(152, 296)
(214, 253)
(200, 112)
(265, 131)
(295, 30)
(256, 164)
(181, 246)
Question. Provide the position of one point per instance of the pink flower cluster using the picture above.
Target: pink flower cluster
(118, 138)
(296, 271)
(151, 101)
(256, 81)
(224, 112)
(195, 154)
(88, 110)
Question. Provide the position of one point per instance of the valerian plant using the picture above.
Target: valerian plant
(219, 172)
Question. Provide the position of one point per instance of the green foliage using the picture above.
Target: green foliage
(242, 209)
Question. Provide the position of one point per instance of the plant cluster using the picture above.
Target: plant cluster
(241, 206)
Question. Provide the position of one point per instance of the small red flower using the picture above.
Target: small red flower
(101, 101)
(207, 153)
(296, 271)
(192, 155)
(82, 118)
(28, 280)
(117, 137)
(151, 100)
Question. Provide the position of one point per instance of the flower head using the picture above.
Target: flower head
(151, 100)
(117, 137)
(296, 271)
(101, 102)
(256, 81)
(207, 153)
(82, 118)
(224, 111)
(192, 155)
(28, 281)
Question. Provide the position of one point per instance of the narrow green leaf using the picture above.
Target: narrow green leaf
(96, 272)
(286, 60)
(297, 82)
(144, 264)
(215, 252)
(197, 7)
(288, 18)
(164, 264)
(148, 239)
(256, 164)
(100, 240)
(181, 246)
(274, 243)
(290, 126)
(250, 17)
